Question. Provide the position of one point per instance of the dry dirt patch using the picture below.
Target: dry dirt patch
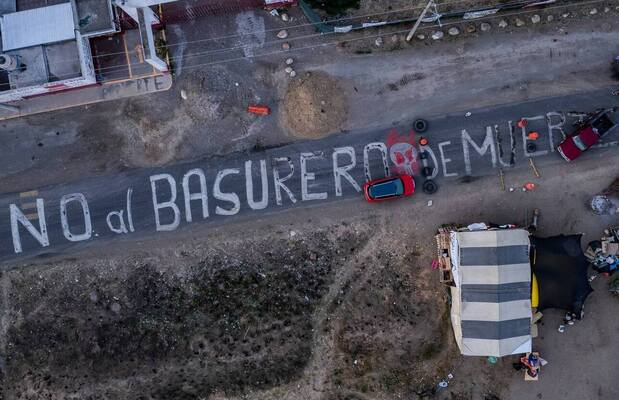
(315, 105)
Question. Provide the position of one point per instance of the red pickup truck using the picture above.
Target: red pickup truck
(587, 134)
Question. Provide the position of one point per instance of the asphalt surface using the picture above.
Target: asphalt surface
(461, 148)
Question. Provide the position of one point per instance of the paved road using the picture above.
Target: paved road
(54, 220)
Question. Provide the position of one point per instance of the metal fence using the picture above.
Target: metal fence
(191, 9)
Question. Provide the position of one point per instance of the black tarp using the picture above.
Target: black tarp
(560, 267)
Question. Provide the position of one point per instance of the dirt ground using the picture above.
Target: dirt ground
(341, 304)
(314, 106)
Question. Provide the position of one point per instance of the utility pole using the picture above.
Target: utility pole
(423, 14)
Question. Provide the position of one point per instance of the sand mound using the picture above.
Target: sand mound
(315, 105)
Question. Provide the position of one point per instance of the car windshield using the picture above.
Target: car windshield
(387, 189)
(578, 142)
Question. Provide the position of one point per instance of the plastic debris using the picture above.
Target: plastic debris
(492, 359)
(429, 203)
(443, 384)
(468, 114)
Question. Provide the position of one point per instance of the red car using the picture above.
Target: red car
(389, 188)
(588, 134)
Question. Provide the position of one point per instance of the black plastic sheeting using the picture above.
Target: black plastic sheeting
(561, 271)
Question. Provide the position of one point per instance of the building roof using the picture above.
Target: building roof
(491, 303)
(37, 27)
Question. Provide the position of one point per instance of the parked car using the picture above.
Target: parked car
(389, 188)
(588, 133)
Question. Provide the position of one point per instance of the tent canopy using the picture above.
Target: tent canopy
(491, 302)
(560, 267)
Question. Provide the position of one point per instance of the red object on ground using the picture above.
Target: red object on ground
(390, 188)
(423, 141)
(529, 186)
(533, 135)
(522, 123)
(260, 110)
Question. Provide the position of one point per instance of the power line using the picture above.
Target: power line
(121, 67)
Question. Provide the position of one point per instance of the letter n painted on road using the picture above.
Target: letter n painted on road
(18, 217)
(64, 219)
(342, 171)
(165, 204)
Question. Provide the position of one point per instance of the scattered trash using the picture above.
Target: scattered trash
(183, 94)
(236, 84)
(437, 35)
(283, 34)
(285, 17)
(378, 42)
(288, 70)
(293, 74)
(534, 168)
(561, 328)
(519, 22)
(259, 109)
(453, 31)
(502, 23)
(468, 114)
(533, 135)
(485, 27)
(430, 203)
(536, 19)
(286, 46)
(293, 234)
(289, 61)
(511, 189)
(528, 186)
(274, 12)
(450, 376)
(423, 141)
(443, 384)
(522, 122)
(492, 360)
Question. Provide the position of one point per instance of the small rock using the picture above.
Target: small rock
(285, 17)
(536, 19)
(283, 34)
(288, 70)
(379, 41)
(485, 27)
(519, 22)
(437, 35)
(502, 23)
(293, 74)
(286, 46)
(453, 31)
(289, 61)
(421, 36)
(550, 18)
(471, 28)
(593, 11)
(115, 307)
(183, 94)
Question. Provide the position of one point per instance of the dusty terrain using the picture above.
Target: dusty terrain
(340, 304)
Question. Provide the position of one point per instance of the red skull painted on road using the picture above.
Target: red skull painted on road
(403, 152)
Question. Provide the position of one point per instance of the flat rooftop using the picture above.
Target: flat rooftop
(95, 16)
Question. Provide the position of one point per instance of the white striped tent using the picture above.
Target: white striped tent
(491, 302)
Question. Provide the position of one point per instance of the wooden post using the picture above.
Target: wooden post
(423, 14)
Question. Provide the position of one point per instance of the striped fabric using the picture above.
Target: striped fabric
(491, 303)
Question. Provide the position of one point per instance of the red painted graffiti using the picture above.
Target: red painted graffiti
(403, 152)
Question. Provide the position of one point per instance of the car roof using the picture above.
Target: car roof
(391, 187)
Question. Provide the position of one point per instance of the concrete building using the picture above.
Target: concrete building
(49, 46)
